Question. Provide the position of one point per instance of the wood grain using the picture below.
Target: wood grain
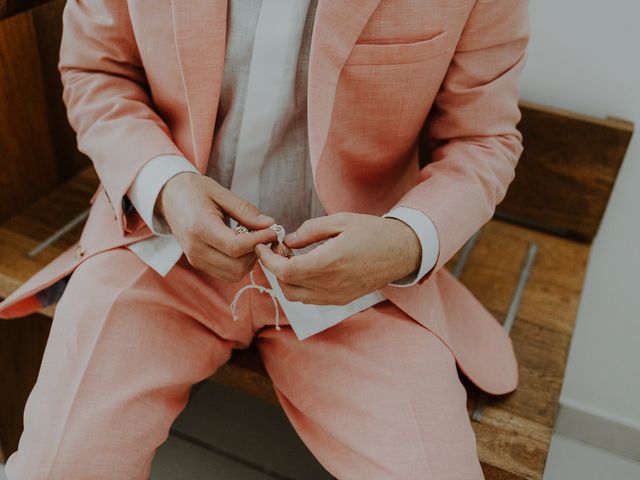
(567, 171)
(21, 348)
(25, 231)
(13, 7)
(515, 431)
(48, 24)
(28, 160)
(37, 145)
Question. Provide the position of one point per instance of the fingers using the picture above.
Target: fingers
(254, 238)
(295, 270)
(196, 220)
(277, 264)
(216, 263)
(316, 230)
(307, 278)
(295, 293)
(239, 209)
(214, 232)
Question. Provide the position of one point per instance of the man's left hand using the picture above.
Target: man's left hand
(361, 253)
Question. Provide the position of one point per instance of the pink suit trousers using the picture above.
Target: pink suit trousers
(375, 397)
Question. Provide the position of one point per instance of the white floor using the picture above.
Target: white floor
(226, 435)
(570, 459)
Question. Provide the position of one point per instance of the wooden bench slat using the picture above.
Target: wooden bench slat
(23, 232)
(13, 7)
(521, 424)
(567, 170)
(37, 145)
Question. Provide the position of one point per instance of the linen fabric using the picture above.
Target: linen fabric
(141, 82)
(375, 397)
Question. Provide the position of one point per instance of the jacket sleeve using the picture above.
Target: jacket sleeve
(107, 96)
(473, 123)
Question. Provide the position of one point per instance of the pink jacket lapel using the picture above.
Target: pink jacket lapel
(337, 26)
(200, 33)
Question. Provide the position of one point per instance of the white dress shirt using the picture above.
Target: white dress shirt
(260, 144)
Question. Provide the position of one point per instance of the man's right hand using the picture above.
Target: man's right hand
(194, 207)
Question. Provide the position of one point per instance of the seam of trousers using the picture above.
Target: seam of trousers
(282, 398)
(204, 317)
(120, 291)
(426, 460)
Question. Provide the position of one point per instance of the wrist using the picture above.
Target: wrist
(407, 242)
(167, 191)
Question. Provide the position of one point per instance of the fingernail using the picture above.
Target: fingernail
(291, 237)
(265, 218)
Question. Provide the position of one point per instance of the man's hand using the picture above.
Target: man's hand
(194, 207)
(361, 254)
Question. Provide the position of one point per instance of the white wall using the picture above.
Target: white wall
(585, 56)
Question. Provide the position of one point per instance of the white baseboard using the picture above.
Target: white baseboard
(600, 429)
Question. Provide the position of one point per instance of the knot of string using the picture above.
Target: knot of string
(261, 289)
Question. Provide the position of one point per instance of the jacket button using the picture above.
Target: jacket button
(80, 251)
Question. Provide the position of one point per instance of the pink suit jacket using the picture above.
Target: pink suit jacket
(142, 78)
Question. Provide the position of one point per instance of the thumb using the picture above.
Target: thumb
(314, 230)
(242, 211)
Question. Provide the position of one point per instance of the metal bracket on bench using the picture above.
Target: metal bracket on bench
(511, 316)
(464, 255)
(77, 220)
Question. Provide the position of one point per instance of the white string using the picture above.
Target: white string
(261, 289)
(280, 232)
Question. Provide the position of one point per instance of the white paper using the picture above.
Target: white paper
(270, 67)
(307, 320)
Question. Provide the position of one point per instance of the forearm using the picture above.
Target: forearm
(473, 122)
(107, 97)
(145, 190)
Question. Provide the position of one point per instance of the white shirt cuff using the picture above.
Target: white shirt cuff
(427, 234)
(146, 187)
(160, 253)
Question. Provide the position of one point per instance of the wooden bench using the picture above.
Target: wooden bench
(556, 203)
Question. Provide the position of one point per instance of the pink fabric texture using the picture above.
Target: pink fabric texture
(140, 82)
(377, 396)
